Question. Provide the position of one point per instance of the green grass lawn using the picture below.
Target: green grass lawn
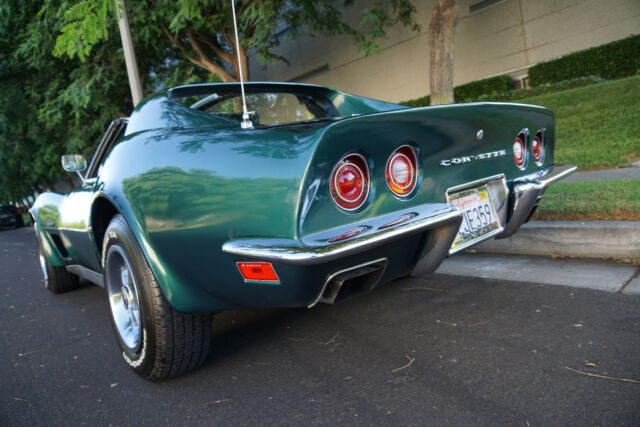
(591, 200)
(597, 126)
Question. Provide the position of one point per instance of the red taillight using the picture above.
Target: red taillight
(520, 149)
(349, 183)
(258, 272)
(402, 171)
(537, 148)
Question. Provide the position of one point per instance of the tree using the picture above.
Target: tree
(441, 32)
(202, 30)
(50, 106)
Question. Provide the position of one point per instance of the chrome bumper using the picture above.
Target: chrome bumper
(526, 192)
(443, 219)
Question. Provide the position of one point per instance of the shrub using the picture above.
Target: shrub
(470, 91)
(418, 102)
(515, 95)
(610, 61)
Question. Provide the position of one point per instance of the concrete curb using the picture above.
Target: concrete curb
(594, 239)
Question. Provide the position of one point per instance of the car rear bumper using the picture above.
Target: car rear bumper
(8, 221)
(334, 264)
(327, 246)
(526, 193)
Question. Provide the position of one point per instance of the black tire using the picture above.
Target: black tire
(56, 279)
(169, 343)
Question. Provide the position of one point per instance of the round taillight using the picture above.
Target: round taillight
(537, 148)
(349, 183)
(520, 150)
(402, 171)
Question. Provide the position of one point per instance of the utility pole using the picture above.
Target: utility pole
(129, 54)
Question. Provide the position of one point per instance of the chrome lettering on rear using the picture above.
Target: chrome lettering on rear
(468, 159)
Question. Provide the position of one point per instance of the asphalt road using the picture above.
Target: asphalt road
(438, 350)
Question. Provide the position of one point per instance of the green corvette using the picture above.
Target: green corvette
(318, 197)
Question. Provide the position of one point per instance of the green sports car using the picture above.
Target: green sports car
(183, 213)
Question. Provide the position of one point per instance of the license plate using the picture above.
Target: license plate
(479, 215)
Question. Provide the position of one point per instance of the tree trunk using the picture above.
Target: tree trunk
(441, 31)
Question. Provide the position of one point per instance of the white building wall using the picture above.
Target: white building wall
(506, 38)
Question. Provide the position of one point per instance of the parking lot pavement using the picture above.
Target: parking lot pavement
(433, 350)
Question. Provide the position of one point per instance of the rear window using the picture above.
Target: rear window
(6, 209)
(265, 108)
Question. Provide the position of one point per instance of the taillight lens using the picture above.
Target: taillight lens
(402, 171)
(520, 150)
(349, 183)
(537, 148)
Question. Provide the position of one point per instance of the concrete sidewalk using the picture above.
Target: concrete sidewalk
(594, 239)
(603, 275)
(605, 174)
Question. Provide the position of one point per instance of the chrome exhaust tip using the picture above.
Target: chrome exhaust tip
(350, 282)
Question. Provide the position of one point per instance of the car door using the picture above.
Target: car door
(75, 209)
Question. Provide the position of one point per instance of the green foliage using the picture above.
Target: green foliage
(382, 14)
(609, 61)
(591, 200)
(425, 101)
(517, 94)
(50, 106)
(87, 23)
(202, 30)
(597, 126)
(470, 91)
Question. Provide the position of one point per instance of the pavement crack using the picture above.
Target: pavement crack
(629, 280)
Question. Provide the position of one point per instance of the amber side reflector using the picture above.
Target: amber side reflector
(258, 271)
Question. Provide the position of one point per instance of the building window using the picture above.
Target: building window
(482, 5)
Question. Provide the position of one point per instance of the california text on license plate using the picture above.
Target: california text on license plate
(479, 215)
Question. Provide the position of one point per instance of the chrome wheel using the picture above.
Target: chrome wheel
(124, 298)
(43, 265)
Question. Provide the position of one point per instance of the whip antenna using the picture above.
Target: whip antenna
(246, 123)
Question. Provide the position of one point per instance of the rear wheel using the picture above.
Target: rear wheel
(157, 342)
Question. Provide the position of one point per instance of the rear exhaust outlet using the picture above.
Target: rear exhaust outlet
(350, 282)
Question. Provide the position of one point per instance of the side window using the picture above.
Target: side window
(114, 131)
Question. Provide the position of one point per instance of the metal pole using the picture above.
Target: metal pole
(129, 54)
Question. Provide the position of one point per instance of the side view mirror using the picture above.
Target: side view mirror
(74, 162)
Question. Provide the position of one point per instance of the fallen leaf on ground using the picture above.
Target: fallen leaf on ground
(589, 374)
(332, 339)
(411, 360)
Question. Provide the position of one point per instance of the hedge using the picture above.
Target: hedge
(610, 61)
(470, 91)
(515, 95)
